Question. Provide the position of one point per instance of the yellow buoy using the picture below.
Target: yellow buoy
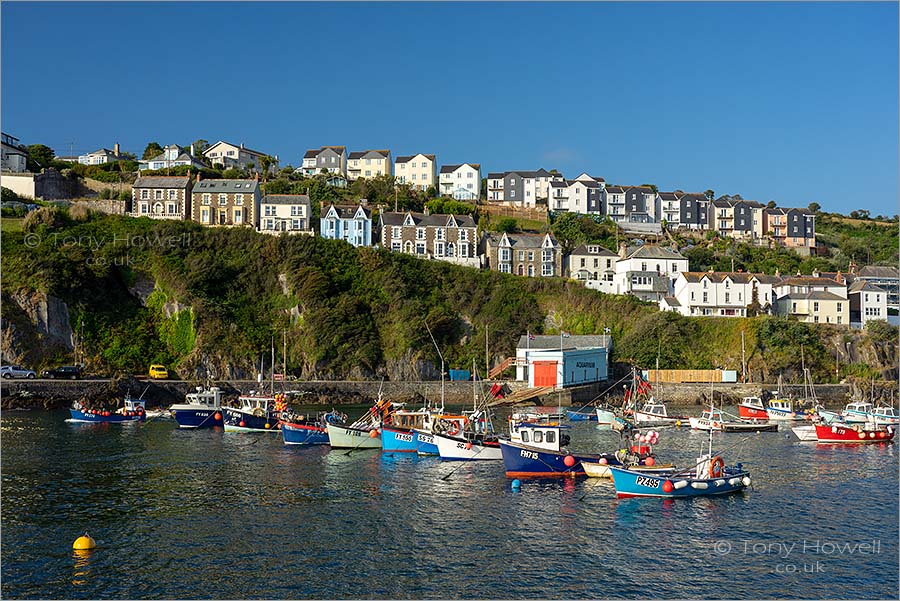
(268, 426)
(677, 423)
(84, 542)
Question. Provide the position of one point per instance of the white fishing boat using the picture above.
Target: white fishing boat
(363, 433)
(605, 417)
(710, 419)
(806, 432)
(653, 413)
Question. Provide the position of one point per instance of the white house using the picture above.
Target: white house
(647, 271)
(101, 156)
(173, 155)
(288, 213)
(462, 182)
(868, 302)
(812, 299)
(419, 171)
(560, 361)
(237, 156)
(583, 196)
(720, 294)
(520, 188)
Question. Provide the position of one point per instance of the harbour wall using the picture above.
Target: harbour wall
(51, 394)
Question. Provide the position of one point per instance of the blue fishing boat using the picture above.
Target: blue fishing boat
(407, 431)
(201, 409)
(537, 448)
(134, 410)
(306, 429)
(582, 416)
(254, 413)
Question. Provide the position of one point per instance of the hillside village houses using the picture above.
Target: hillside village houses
(584, 194)
(885, 277)
(647, 271)
(368, 163)
(225, 202)
(684, 210)
(451, 238)
(418, 171)
(350, 223)
(812, 299)
(720, 294)
(520, 188)
(594, 266)
(530, 255)
(230, 155)
(287, 213)
(101, 156)
(462, 182)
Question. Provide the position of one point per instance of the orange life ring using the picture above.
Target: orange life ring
(716, 465)
(453, 430)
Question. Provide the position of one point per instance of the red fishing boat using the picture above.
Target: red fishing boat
(752, 408)
(854, 434)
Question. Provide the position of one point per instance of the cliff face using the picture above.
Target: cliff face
(34, 326)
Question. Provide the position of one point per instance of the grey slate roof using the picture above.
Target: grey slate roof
(668, 196)
(671, 301)
(520, 240)
(162, 181)
(230, 186)
(285, 199)
(739, 277)
(815, 295)
(879, 271)
(406, 159)
(615, 189)
(601, 251)
(347, 211)
(184, 156)
(452, 168)
(649, 251)
(435, 219)
(369, 154)
(568, 342)
(860, 285)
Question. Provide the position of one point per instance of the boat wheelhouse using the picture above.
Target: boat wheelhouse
(201, 409)
(254, 413)
(751, 407)
(710, 419)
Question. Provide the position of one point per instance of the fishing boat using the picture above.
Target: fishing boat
(474, 440)
(254, 413)
(537, 448)
(363, 433)
(860, 412)
(400, 432)
(653, 414)
(751, 407)
(605, 416)
(710, 476)
(710, 419)
(200, 409)
(866, 433)
(133, 410)
(749, 426)
(638, 457)
(308, 429)
(789, 410)
(579, 415)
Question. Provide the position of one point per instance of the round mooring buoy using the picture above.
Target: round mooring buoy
(516, 485)
(83, 543)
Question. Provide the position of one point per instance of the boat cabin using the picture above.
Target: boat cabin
(251, 403)
(211, 398)
(754, 402)
(408, 419)
(781, 405)
(859, 408)
(713, 415)
(655, 409)
(134, 405)
(542, 435)
(886, 412)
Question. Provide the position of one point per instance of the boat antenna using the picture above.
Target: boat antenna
(434, 342)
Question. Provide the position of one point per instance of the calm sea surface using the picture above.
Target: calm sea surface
(208, 514)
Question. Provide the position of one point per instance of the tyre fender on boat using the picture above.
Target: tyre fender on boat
(453, 428)
(716, 465)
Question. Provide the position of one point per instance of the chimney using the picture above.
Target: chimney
(198, 177)
(257, 175)
(622, 250)
(839, 278)
(426, 211)
(116, 149)
(242, 145)
(192, 150)
(777, 273)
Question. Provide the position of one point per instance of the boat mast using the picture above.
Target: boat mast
(434, 342)
(284, 360)
(272, 387)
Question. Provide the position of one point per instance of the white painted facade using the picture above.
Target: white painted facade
(462, 182)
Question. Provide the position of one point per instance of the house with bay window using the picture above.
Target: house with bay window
(350, 223)
(451, 238)
(462, 182)
(531, 255)
(161, 197)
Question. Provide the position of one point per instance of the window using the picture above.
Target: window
(705, 284)
(551, 436)
(439, 249)
(531, 255)
(420, 248)
(463, 235)
(816, 306)
(395, 246)
(297, 211)
(144, 208)
(439, 234)
(204, 216)
(145, 194)
(705, 297)
(469, 175)
(239, 199)
(171, 208)
(420, 233)
(238, 216)
(505, 254)
(296, 224)
(839, 319)
(173, 194)
(840, 307)
(547, 255)
(504, 268)
(643, 267)
(396, 232)
(368, 173)
(521, 255)
(547, 269)
(727, 297)
(692, 295)
(158, 194)
(525, 436)
(268, 224)
(464, 250)
(531, 271)
(538, 436)
(206, 198)
(582, 262)
(223, 200)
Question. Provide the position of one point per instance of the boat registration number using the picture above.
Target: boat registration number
(426, 439)
(528, 454)
(648, 482)
(404, 437)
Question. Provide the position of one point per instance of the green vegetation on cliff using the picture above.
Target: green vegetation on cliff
(211, 300)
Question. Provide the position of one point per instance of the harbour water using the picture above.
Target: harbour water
(207, 514)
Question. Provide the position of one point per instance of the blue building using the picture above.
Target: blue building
(351, 223)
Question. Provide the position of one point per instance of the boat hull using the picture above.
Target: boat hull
(112, 418)
(233, 418)
(427, 444)
(196, 417)
(785, 415)
(344, 437)
(749, 427)
(452, 448)
(839, 434)
(521, 461)
(746, 412)
(632, 483)
(599, 470)
(303, 434)
(805, 433)
(403, 440)
(578, 416)
(605, 418)
(698, 423)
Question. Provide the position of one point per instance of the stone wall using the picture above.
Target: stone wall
(112, 207)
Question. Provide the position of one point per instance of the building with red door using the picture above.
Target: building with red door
(561, 361)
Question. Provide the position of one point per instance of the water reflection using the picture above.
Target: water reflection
(81, 570)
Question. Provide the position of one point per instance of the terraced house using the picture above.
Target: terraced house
(720, 294)
(350, 223)
(368, 163)
(287, 213)
(812, 299)
(583, 195)
(531, 255)
(687, 210)
(162, 197)
(793, 228)
(740, 219)
(419, 171)
(226, 202)
(451, 238)
(520, 188)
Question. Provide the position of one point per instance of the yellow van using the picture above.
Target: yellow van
(158, 372)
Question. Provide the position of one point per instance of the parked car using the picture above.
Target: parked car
(16, 371)
(72, 372)
(158, 372)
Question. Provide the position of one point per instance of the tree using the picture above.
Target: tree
(651, 186)
(863, 214)
(771, 204)
(709, 194)
(814, 207)
(508, 225)
(39, 157)
(153, 150)
(199, 146)
(265, 163)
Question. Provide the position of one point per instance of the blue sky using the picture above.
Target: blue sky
(793, 102)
